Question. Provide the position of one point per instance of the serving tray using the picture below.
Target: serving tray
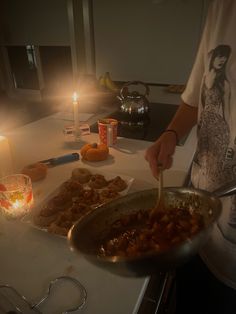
(35, 219)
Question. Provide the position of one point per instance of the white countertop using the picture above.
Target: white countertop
(30, 258)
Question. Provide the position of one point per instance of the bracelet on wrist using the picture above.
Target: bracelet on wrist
(175, 133)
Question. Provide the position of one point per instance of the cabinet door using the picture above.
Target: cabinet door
(153, 41)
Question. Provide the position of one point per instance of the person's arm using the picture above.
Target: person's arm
(184, 119)
(162, 150)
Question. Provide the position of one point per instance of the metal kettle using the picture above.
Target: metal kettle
(134, 105)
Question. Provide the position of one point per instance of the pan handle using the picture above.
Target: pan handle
(226, 190)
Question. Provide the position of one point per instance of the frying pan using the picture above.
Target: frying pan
(87, 234)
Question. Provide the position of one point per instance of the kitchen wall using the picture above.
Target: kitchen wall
(149, 40)
(153, 41)
(39, 23)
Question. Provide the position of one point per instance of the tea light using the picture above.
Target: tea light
(16, 195)
(5, 157)
(76, 116)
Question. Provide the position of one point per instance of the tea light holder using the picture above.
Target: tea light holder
(16, 196)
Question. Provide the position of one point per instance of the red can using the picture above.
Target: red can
(107, 129)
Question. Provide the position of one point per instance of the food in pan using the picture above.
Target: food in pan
(83, 192)
(142, 232)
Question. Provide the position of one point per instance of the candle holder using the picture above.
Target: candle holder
(16, 196)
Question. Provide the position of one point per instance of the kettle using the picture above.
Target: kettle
(134, 105)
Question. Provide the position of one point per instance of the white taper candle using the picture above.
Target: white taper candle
(5, 157)
(76, 115)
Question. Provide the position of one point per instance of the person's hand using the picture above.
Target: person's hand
(161, 152)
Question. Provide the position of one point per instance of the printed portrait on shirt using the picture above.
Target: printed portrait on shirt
(214, 138)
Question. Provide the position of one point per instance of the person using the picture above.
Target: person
(207, 284)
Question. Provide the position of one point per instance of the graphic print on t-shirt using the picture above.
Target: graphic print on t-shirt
(213, 126)
(214, 163)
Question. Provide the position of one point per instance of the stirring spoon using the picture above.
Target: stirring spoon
(159, 201)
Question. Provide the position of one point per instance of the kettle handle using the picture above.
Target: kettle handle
(135, 83)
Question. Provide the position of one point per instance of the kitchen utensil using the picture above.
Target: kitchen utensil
(11, 301)
(55, 161)
(160, 200)
(87, 235)
(134, 105)
(160, 203)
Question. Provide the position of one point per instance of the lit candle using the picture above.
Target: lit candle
(5, 157)
(76, 115)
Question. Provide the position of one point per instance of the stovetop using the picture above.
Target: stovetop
(147, 129)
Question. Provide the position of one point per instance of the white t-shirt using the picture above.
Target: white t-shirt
(212, 88)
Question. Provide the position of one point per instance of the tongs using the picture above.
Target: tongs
(11, 301)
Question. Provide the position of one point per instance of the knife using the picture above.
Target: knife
(55, 161)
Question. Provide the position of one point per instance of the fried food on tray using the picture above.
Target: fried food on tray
(75, 198)
(64, 221)
(78, 210)
(72, 187)
(97, 181)
(61, 225)
(82, 175)
(139, 233)
(117, 184)
(108, 195)
(89, 196)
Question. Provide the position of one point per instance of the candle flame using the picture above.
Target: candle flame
(17, 204)
(75, 97)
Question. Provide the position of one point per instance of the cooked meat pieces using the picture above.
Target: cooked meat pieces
(98, 181)
(117, 184)
(76, 197)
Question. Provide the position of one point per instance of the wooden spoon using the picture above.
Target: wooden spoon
(160, 197)
(160, 200)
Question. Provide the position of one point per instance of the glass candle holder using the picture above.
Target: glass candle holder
(16, 195)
